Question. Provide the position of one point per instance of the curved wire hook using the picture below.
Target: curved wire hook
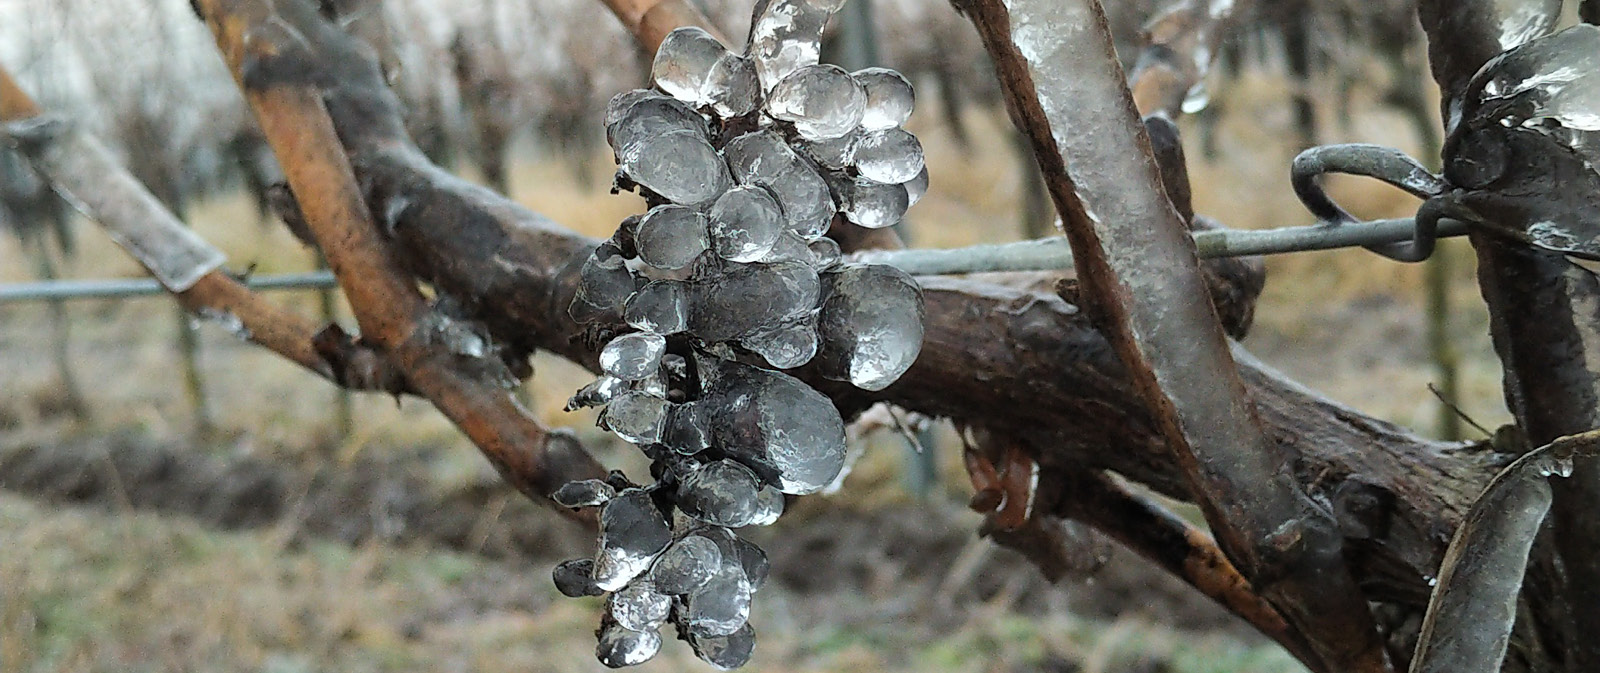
(1374, 161)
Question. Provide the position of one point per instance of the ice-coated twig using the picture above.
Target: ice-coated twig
(1141, 282)
(1049, 254)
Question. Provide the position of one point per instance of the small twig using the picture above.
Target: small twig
(1163, 537)
(1453, 407)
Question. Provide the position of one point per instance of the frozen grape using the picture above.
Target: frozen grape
(649, 115)
(680, 166)
(632, 533)
(635, 416)
(597, 394)
(735, 89)
(889, 155)
(745, 222)
(684, 63)
(774, 418)
(721, 493)
(722, 605)
(670, 236)
(639, 607)
(822, 101)
(725, 652)
(747, 161)
(632, 357)
(875, 205)
(686, 566)
(575, 578)
(889, 98)
(619, 647)
(785, 346)
(661, 307)
(871, 324)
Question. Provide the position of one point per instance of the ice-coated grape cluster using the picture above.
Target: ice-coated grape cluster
(746, 162)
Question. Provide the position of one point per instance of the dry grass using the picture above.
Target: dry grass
(134, 592)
